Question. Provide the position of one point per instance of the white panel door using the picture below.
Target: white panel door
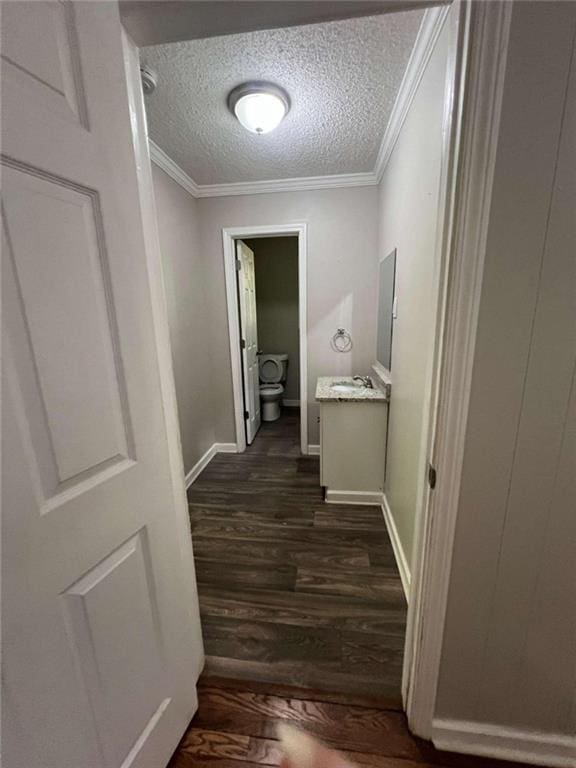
(249, 338)
(101, 634)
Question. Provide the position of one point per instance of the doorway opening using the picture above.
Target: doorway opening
(267, 283)
(266, 300)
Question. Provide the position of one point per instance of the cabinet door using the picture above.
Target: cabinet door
(353, 446)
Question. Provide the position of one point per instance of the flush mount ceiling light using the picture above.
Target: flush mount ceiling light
(260, 107)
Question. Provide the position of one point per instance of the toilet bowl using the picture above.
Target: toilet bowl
(272, 370)
(270, 399)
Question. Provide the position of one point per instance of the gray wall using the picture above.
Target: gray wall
(276, 267)
(342, 264)
(187, 314)
(408, 211)
(510, 635)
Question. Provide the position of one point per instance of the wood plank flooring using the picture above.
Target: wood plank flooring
(294, 590)
(235, 727)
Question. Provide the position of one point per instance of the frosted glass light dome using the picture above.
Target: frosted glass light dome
(260, 107)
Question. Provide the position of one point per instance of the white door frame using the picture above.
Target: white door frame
(229, 235)
(476, 64)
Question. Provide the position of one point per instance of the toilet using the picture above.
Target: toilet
(272, 374)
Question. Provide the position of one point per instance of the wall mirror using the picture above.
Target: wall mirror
(386, 309)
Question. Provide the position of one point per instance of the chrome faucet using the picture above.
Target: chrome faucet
(366, 381)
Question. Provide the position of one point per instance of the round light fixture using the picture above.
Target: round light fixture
(260, 107)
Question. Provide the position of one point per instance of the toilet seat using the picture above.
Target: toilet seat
(271, 389)
(271, 369)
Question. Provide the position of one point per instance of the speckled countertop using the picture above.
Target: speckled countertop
(360, 393)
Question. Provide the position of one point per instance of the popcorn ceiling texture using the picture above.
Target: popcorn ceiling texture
(342, 78)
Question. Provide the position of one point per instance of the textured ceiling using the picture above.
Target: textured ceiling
(342, 78)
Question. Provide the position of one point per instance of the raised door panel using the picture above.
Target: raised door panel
(46, 718)
(112, 618)
(66, 320)
(40, 56)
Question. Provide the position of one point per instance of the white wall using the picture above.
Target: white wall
(509, 655)
(276, 269)
(187, 314)
(408, 213)
(342, 264)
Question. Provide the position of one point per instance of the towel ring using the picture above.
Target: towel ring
(341, 341)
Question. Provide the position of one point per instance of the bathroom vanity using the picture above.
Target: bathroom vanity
(353, 424)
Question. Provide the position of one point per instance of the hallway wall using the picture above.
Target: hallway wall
(408, 212)
(188, 314)
(341, 285)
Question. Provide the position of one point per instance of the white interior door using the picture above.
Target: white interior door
(249, 338)
(101, 635)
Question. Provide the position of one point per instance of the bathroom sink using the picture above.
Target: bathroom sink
(345, 387)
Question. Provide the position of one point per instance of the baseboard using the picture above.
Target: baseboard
(399, 553)
(291, 403)
(204, 460)
(225, 448)
(313, 450)
(501, 742)
(353, 497)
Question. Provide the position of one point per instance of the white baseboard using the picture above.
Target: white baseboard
(225, 448)
(399, 553)
(353, 497)
(204, 460)
(472, 738)
(313, 450)
(291, 403)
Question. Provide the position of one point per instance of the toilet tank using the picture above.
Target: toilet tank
(272, 368)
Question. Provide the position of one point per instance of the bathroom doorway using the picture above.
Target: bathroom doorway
(266, 300)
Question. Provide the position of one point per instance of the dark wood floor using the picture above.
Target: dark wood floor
(235, 727)
(293, 590)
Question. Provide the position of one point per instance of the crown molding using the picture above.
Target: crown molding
(289, 185)
(428, 34)
(427, 37)
(162, 160)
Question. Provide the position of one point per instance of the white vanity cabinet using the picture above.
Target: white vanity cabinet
(353, 448)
